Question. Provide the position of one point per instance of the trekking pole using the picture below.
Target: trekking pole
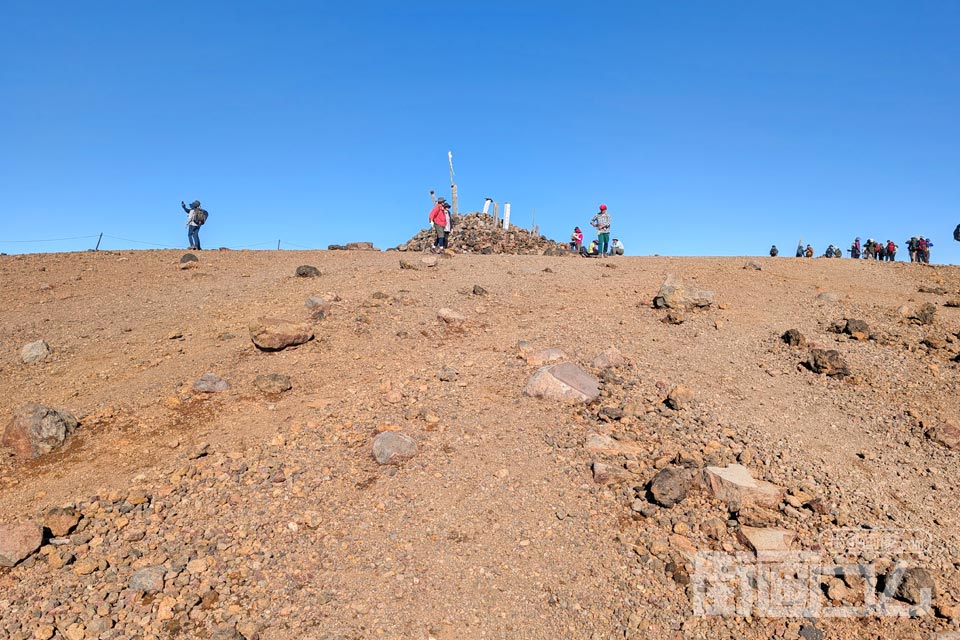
(97, 248)
(278, 245)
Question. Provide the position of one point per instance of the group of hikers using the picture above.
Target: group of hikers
(917, 246)
(441, 220)
(601, 246)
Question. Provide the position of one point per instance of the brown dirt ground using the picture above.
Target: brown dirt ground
(472, 519)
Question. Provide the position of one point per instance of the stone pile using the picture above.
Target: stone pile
(481, 233)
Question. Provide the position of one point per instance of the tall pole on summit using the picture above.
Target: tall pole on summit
(453, 185)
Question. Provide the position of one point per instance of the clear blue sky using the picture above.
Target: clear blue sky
(707, 127)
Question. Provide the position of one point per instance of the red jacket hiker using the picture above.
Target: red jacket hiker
(438, 215)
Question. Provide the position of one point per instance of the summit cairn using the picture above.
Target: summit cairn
(482, 233)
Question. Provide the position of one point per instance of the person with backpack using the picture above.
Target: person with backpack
(195, 219)
(891, 251)
(774, 252)
(956, 233)
(855, 249)
(923, 250)
(601, 222)
(438, 218)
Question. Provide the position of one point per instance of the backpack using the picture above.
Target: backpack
(200, 216)
(956, 233)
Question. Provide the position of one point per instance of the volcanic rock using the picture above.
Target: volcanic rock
(307, 271)
(210, 383)
(18, 541)
(677, 294)
(483, 234)
(670, 486)
(391, 447)
(738, 488)
(762, 540)
(271, 334)
(273, 383)
(566, 382)
(827, 362)
(793, 338)
(35, 352)
(37, 429)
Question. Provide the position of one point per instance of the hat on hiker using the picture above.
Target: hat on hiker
(603, 207)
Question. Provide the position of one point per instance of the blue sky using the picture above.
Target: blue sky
(708, 128)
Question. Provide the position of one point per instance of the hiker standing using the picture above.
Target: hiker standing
(891, 251)
(195, 219)
(438, 218)
(923, 250)
(601, 222)
(855, 249)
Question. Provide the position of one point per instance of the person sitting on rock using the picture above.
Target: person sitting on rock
(576, 239)
(592, 252)
(616, 247)
(808, 252)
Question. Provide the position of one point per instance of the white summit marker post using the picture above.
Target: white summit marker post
(506, 216)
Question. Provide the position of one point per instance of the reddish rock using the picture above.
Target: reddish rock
(738, 488)
(61, 521)
(947, 434)
(37, 429)
(18, 541)
(272, 334)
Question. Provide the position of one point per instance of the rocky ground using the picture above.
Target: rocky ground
(252, 502)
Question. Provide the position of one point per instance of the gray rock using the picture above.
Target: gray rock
(189, 257)
(828, 297)
(273, 334)
(565, 382)
(391, 447)
(810, 631)
(448, 374)
(479, 291)
(18, 541)
(857, 329)
(753, 264)
(35, 352)
(915, 586)
(677, 294)
(607, 474)
(307, 271)
(210, 383)
(273, 383)
(37, 429)
(148, 579)
(670, 486)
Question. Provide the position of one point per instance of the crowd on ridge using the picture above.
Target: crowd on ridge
(918, 247)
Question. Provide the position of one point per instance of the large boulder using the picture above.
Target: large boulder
(37, 429)
(675, 293)
(18, 541)
(565, 381)
(61, 520)
(738, 488)
(273, 334)
(35, 352)
(391, 447)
